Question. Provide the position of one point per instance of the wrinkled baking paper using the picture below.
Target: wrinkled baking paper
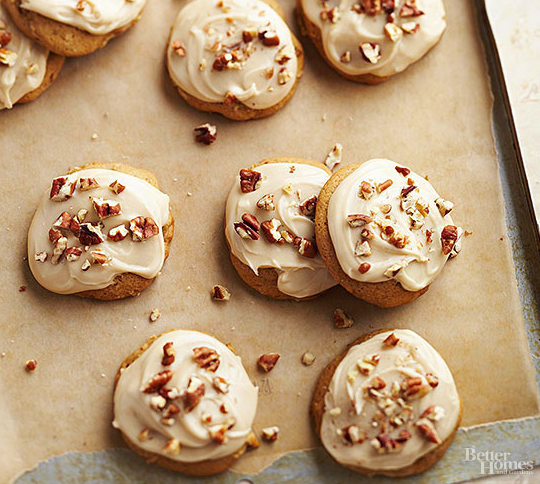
(434, 118)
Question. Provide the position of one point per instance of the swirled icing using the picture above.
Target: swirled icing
(421, 258)
(349, 27)
(298, 276)
(30, 64)
(126, 256)
(192, 429)
(412, 357)
(98, 17)
(208, 30)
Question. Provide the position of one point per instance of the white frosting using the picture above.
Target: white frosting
(126, 256)
(28, 71)
(298, 276)
(352, 28)
(98, 17)
(412, 357)
(202, 24)
(133, 412)
(422, 259)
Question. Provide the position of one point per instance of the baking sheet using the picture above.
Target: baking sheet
(435, 118)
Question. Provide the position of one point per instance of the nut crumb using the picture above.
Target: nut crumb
(270, 434)
(220, 293)
(22, 289)
(308, 358)
(334, 157)
(154, 315)
(342, 320)
(205, 133)
(31, 365)
(267, 361)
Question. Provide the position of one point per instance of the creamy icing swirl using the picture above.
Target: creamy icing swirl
(419, 396)
(289, 184)
(194, 429)
(218, 49)
(98, 17)
(405, 232)
(29, 63)
(72, 274)
(345, 25)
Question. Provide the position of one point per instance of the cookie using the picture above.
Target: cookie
(236, 57)
(371, 40)
(384, 232)
(388, 405)
(269, 228)
(74, 28)
(184, 401)
(101, 231)
(26, 68)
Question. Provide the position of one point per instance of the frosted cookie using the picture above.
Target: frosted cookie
(184, 401)
(26, 68)
(371, 40)
(74, 27)
(384, 232)
(388, 405)
(101, 231)
(269, 228)
(235, 57)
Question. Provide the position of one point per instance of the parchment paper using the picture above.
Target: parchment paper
(435, 118)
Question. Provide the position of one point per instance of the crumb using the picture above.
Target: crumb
(308, 358)
(323, 117)
(22, 288)
(94, 136)
(220, 293)
(154, 315)
(189, 194)
(103, 375)
(31, 365)
(467, 233)
(188, 288)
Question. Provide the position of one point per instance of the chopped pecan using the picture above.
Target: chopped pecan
(154, 315)
(116, 187)
(144, 435)
(307, 248)
(269, 38)
(432, 380)
(105, 208)
(308, 206)
(391, 340)
(413, 388)
(394, 269)
(283, 76)
(449, 236)
(308, 358)
(334, 157)
(248, 35)
(118, 233)
(381, 187)
(88, 184)
(332, 15)
(157, 381)
(402, 170)
(172, 409)
(5, 38)
(370, 51)
(367, 364)
(270, 434)
(217, 434)
(365, 191)
(220, 384)
(345, 58)
(249, 180)
(364, 267)
(433, 413)
(73, 253)
(194, 393)
(428, 430)
(341, 319)
(62, 189)
(376, 383)
(142, 228)
(205, 133)
(172, 447)
(229, 100)
(410, 27)
(362, 249)
(383, 443)
(267, 202)
(407, 190)
(252, 441)
(99, 257)
(270, 229)
(178, 47)
(444, 206)
(249, 227)
(371, 7)
(206, 358)
(393, 32)
(8, 57)
(285, 54)
(267, 361)
(90, 234)
(168, 354)
(31, 365)
(358, 219)
(63, 221)
(220, 293)
(353, 435)
(59, 248)
(410, 9)
(41, 256)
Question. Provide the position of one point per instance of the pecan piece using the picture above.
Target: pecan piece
(402, 170)
(248, 228)
(118, 233)
(178, 47)
(105, 208)
(267, 202)
(270, 229)
(444, 206)
(8, 57)
(206, 358)
(392, 31)
(410, 27)
(31, 365)
(306, 248)
(449, 236)
(414, 388)
(432, 380)
(252, 441)
(194, 393)
(73, 253)
(172, 447)
(154, 315)
(269, 38)
(220, 384)
(87, 184)
(391, 340)
(99, 257)
(90, 234)
(61, 189)
(63, 221)
(353, 435)
(5, 38)
(116, 187)
(370, 51)
(249, 180)
(143, 228)
(205, 133)
(428, 430)
(410, 9)
(267, 361)
(334, 157)
(364, 267)
(308, 358)
(60, 247)
(157, 381)
(270, 434)
(308, 206)
(220, 293)
(285, 54)
(358, 220)
(342, 320)
(168, 354)
(433, 413)
(41, 256)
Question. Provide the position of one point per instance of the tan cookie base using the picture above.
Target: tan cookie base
(309, 29)
(385, 294)
(54, 65)
(203, 468)
(266, 282)
(62, 39)
(237, 110)
(128, 284)
(317, 411)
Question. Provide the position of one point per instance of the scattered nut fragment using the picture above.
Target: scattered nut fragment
(370, 51)
(365, 190)
(433, 413)
(308, 358)
(31, 365)
(99, 257)
(144, 435)
(428, 430)
(154, 315)
(116, 187)
(410, 9)
(364, 267)
(118, 233)
(205, 133)
(444, 206)
(308, 206)
(88, 184)
(334, 157)
(362, 249)
(8, 57)
(157, 382)
(252, 441)
(342, 320)
(267, 202)
(402, 170)
(449, 236)
(142, 228)
(105, 208)
(249, 180)
(353, 435)
(270, 434)
(392, 31)
(41, 256)
(432, 379)
(394, 269)
(220, 293)
(307, 248)
(178, 47)
(345, 58)
(22, 288)
(61, 189)
(58, 251)
(90, 234)
(220, 384)
(283, 76)
(73, 253)
(270, 229)
(332, 15)
(172, 447)
(85, 266)
(217, 434)
(195, 391)
(168, 354)
(269, 38)
(410, 27)
(285, 54)
(391, 340)
(267, 361)
(249, 227)
(206, 358)
(358, 220)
